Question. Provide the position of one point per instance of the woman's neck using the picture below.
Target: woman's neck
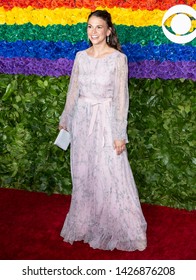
(99, 51)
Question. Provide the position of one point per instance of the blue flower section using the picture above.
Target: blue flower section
(134, 52)
(41, 49)
(167, 52)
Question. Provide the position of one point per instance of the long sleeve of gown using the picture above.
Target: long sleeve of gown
(120, 100)
(72, 97)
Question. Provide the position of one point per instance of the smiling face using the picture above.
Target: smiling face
(97, 30)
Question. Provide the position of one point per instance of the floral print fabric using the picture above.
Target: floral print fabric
(105, 210)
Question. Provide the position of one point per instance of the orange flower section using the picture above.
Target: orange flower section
(91, 4)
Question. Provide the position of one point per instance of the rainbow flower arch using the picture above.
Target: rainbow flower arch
(42, 37)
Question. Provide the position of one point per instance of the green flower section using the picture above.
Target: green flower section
(76, 33)
(161, 129)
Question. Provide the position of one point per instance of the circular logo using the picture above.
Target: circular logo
(180, 24)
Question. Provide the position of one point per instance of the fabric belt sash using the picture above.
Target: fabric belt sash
(104, 104)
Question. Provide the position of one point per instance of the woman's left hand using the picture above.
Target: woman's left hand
(119, 146)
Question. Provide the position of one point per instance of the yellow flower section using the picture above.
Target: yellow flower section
(63, 16)
(43, 17)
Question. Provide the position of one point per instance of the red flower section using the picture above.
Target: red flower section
(90, 4)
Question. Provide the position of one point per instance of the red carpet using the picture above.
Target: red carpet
(30, 224)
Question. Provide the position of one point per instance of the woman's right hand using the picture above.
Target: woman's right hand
(61, 127)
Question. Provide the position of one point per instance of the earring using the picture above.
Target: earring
(108, 39)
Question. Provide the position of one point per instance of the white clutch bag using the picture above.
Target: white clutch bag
(63, 139)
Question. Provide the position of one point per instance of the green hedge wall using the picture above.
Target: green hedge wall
(161, 133)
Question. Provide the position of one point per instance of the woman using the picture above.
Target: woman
(105, 210)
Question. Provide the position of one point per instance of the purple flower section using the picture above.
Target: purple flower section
(165, 70)
(149, 69)
(34, 66)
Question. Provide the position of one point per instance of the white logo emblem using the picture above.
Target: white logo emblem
(180, 24)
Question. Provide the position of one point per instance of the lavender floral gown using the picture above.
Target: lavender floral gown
(105, 210)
